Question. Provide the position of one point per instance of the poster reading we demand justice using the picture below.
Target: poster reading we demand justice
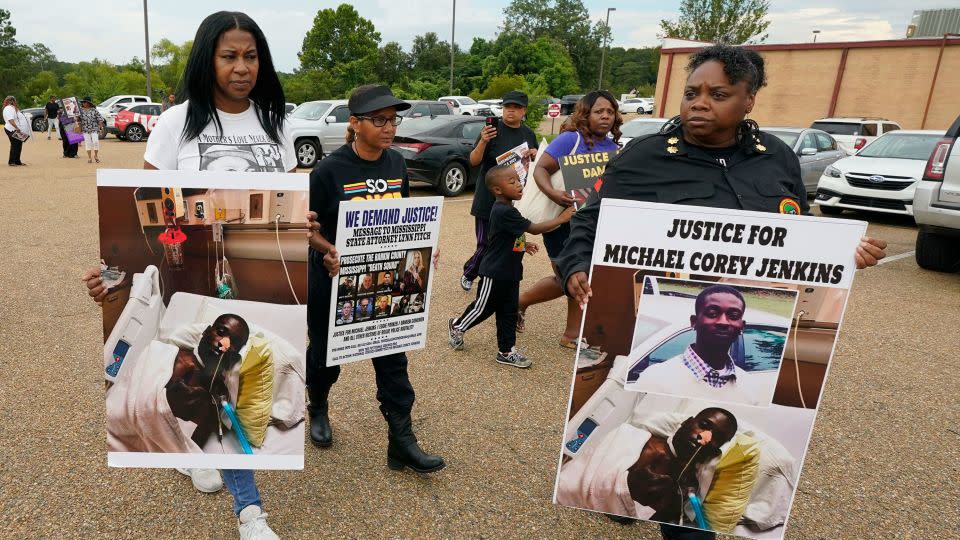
(718, 328)
(381, 296)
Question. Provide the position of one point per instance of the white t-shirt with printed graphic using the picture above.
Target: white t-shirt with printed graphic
(243, 145)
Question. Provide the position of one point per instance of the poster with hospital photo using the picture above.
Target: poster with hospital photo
(383, 289)
(696, 401)
(204, 331)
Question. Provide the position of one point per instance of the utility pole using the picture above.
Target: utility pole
(453, 32)
(815, 32)
(146, 44)
(606, 45)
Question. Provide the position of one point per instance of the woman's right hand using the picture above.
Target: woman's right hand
(560, 197)
(94, 284)
(487, 133)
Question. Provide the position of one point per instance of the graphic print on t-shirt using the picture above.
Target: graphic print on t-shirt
(374, 188)
(519, 157)
(520, 244)
(252, 153)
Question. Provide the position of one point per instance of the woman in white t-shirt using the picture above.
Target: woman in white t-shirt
(17, 128)
(232, 119)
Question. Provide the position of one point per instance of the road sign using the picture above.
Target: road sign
(553, 110)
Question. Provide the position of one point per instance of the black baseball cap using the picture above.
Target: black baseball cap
(373, 97)
(516, 97)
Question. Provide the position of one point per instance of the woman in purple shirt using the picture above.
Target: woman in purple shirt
(594, 126)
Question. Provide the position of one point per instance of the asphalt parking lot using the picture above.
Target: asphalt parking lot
(883, 461)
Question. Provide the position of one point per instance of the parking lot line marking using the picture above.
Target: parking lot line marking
(896, 257)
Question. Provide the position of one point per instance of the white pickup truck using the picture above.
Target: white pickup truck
(466, 105)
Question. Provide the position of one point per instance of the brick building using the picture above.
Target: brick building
(915, 82)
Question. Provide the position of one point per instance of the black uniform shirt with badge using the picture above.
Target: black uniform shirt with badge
(503, 259)
(761, 175)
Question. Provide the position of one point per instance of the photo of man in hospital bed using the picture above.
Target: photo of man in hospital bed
(625, 452)
(204, 376)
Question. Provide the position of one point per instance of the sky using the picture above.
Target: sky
(112, 30)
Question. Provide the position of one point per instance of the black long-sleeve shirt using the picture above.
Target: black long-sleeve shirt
(763, 175)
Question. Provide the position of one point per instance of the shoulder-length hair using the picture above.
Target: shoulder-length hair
(580, 119)
(199, 77)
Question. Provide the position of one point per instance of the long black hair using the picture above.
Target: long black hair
(199, 77)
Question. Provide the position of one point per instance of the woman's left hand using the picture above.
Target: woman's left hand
(436, 259)
(869, 252)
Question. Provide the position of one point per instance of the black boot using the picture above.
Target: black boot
(320, 433)
(402, 450)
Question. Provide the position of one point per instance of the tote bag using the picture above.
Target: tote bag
(534, 204)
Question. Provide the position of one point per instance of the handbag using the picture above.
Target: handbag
(534, 204)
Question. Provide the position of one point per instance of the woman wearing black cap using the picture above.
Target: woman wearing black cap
(367, 155)
(711, 156)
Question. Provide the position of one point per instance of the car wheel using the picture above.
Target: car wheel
(308, 152)
(453, 180)
(134, 132)
(830, 210)
(937, 252)
(39, 124)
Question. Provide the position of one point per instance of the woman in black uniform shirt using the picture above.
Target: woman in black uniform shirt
(708, 156)
(343, 176)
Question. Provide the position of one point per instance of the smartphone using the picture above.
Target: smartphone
(492, 121)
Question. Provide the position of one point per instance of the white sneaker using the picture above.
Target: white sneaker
(205, 480)
(253, 525)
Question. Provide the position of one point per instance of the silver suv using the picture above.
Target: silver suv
(936, 206)
(853, 133)
(318, 128)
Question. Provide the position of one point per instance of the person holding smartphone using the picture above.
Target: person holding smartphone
(497, 139)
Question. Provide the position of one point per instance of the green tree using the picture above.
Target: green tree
(392, 64)
(14, 57)
(338, 37)
(430, 56)
(567, 22)
(720, 21)
(544, 56)
(170, 59)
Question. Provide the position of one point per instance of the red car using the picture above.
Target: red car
(134, 124)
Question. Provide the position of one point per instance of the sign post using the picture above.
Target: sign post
(553, 111)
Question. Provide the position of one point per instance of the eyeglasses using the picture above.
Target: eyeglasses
(380, 121)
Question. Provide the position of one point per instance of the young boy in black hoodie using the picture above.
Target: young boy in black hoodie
(501, 268)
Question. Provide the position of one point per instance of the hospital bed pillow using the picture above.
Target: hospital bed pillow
(255, 395)
(733, 483)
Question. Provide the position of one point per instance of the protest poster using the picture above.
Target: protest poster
(700, 407)
(382, 299)
(204, 335)
(581, 174)
(519, 157)
(70, 107)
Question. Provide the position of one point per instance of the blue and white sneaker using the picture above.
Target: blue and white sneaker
(514, 358)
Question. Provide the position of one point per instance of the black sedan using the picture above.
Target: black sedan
(437, 150)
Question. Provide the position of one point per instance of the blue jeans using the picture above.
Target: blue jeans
(242, 486)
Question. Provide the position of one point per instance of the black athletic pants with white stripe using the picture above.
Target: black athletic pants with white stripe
(494, 296)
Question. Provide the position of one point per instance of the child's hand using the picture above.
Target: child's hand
(567, 214)
(532, 248)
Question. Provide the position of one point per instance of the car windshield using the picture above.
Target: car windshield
(310, 111)
(106, 103)
(789, 137)
(838, 128)
(466, 101)
(638, 129)
(902, 146)
(418, 126)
